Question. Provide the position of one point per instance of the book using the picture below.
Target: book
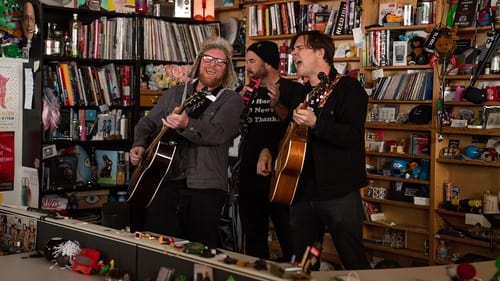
(107, 166)
(465, 14)
(338, 28)
(386, 9)
(113, 82)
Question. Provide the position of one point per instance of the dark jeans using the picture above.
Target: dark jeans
(191, 214)
(255, 212)
(343, 217)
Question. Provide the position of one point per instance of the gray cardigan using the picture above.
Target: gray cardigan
(201, 154)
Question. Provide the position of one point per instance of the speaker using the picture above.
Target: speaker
(115, 215)
(176, 8)
(62, 171)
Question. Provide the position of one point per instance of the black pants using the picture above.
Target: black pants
(343, 216)
(181, 212)
(255, 212)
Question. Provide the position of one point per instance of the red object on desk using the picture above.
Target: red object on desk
(86, 261)
(466, 271)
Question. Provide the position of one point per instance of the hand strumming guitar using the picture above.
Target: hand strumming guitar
(176, 120)
(136, 153)
(304, 116)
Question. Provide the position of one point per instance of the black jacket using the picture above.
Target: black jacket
(335, 156)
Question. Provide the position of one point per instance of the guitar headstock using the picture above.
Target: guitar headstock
(317, 91)
(197, 99)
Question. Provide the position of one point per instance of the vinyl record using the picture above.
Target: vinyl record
(229, 29)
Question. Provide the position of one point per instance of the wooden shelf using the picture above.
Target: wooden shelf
(468, 241)
(346, 59)
(471, 131)
(469, 162)
(396, 155)
(467, 77)
(397, 126)
(395, 203)
(402, 27)
(403, 67)
(391, 101)
(388, 178)
(403, 252)
(400, 226)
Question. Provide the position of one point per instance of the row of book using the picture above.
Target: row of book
(379, 46)
(412, 86)
(175, 42)
(273, 19)
(83, 85)
(293, 17)
(108, 38)
(343, 20)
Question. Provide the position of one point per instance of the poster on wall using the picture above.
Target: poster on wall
(6, 161)
(11, 97)
(10, 79)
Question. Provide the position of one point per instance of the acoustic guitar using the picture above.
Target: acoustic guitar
(155, 162)
(290, 159)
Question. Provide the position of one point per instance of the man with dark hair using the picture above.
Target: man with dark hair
(269, 113)
(328, 195)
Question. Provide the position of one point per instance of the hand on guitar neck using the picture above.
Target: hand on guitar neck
(302, 115)
(154, 162)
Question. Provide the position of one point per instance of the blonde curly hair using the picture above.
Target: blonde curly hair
(215, 42)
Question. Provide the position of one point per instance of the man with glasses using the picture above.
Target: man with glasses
(269, 113)
(188, 203)
(327, 195)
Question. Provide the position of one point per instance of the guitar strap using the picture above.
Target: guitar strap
(329, 91)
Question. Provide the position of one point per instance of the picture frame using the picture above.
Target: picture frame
(399, 53)
(388, 113)
(491, 117)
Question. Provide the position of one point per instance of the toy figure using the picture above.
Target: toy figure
(418, 55)
(29, 21)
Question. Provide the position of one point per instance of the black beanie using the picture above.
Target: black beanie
(267, 51)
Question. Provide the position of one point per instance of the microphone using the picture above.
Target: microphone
(254, 84)
(322, 76)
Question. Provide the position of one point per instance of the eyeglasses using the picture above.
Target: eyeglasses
(209, 59)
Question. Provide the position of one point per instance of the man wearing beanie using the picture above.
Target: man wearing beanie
(264, 121)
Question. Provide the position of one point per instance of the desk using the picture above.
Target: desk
(485, 270)
(15, 267)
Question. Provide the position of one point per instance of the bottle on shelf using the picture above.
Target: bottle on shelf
(124, 127)
(283, 66)
(67, 44)
(495, 63)
(122, 171)
(75, 26)
(374, 112)
(442, 252)
(370, 188)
